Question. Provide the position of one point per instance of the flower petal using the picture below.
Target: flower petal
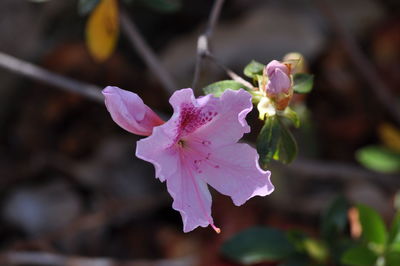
(233, 170)
(229, 125)
(129, 112)
(191, 198)
(279, 82)
(158, 150)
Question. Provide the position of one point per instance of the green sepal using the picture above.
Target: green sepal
(379, 158)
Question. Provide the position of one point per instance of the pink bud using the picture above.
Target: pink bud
(129, 111)
(279, 78)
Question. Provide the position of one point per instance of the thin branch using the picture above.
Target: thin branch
(51, 259)
(31, 71)
(364, 66)
(326, 169)
(149, 57)
(203, 40)
(229, 72)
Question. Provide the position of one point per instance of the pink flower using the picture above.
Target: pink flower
(198, 146)
(129, 111)
(279, 78)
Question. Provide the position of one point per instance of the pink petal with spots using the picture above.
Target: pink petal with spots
(129, 112)
(233, 171)
(196, 146)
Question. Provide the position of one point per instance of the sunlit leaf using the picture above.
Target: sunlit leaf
(359, 256)
(253, 69)
(219, 87)
(373, 228)
(275, 142)
(379, 159)
(287, 146)
(303, 82)
(102, 30)
(258, 244)
(85, 6)
(267, 140)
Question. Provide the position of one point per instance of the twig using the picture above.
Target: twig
(29, 70)
(155, 66)
(203, 40)
(326, 169)
(229, 72)
(364, 66)
(52, 259)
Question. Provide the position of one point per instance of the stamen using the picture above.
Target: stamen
(216, 229)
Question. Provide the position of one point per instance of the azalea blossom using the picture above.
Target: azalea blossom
(197, 146)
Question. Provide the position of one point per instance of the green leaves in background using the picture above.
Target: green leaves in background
(219, 87)
(275, 142)
(253, 69)
(258, 244)
(86, 6)
(373, 228)
(303, 82)
(379, 158)
(359, 256)
(334, 219)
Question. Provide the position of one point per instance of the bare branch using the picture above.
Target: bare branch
(364, 66)
(203, 40)
(51, 259)
(326, 169)
(229, 72)
(149, 57)
(31, 71)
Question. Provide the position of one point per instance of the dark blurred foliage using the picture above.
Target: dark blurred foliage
(69, 180)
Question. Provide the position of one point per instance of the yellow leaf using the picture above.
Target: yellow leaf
(102, 30)
(390, 136)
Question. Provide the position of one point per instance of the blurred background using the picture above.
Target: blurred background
(70, 183)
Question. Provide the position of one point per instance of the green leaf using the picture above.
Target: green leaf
(359, 256)
(392, 259)
(166, 6)
(316, 250)
(275, 142)
(258, 244)
(334, 219)
(287, 146)
(379, 159)
(253, 69)
(219, 87)
(86, 6)
(303, 82)
(373, 228)
(394, 235)
(292, 116)
(267, 140)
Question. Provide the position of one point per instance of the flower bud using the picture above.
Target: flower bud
(129, 111)
(279, 86)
